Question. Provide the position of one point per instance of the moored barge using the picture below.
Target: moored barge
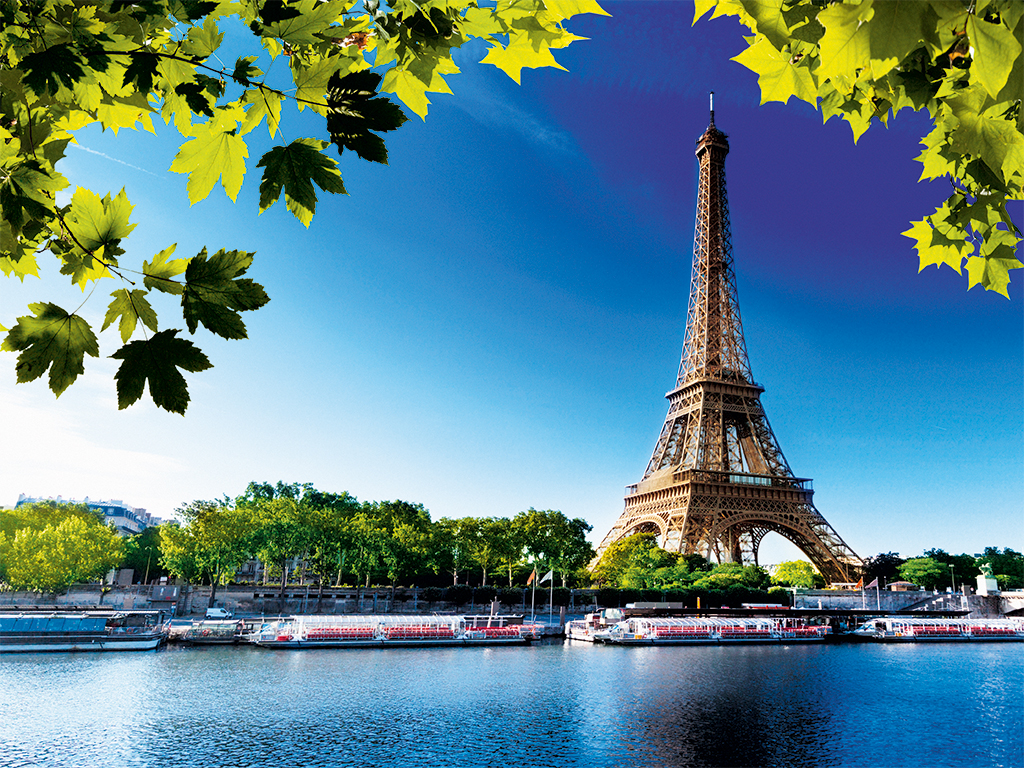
(82, 631)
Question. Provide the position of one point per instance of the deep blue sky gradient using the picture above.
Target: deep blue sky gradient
(491, 322)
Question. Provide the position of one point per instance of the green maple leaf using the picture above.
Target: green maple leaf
(294, 168)
(769, 20)
(99, 223)
(846, 44)
(522, 52)
(313, 18)
(934, 247)
(313, 81)
(995, 49)
(260, 103)
(26, 193)
(130, 306)
(985, 134)
(161, 273)
(214, 153)
(353, 114)
(215, 293)
(158, 360)
(51, 339)
(897, 28)
(141, 70)
(59, 66)
(244, 70)
(778, 78)
(992, 269)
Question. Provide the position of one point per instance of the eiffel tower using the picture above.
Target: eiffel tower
(717, 482)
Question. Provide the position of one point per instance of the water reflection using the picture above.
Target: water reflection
(549, 705)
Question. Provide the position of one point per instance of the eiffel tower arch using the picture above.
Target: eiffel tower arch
(717, 482)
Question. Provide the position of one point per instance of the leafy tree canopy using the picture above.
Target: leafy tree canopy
(66, 65)
(924, 571)
(866, 60)
(798, 573)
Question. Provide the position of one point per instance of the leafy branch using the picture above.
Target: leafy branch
(866, 60)
(69, 64)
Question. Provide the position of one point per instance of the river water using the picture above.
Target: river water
(551, 704)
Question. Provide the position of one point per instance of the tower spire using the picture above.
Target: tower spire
(717, 481)
(711, 100)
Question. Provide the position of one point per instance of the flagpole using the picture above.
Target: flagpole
(551, 599)
(533, 597)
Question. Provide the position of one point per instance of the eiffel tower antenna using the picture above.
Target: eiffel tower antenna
(717, 482)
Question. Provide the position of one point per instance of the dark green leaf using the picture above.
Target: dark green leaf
(294, 168)
(353, 112)
(46, 71)
(158, 360)
(275, 10)
(215, 294)
(141, 70)
(195, 96)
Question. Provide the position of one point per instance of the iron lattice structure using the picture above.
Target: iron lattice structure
(717, 482)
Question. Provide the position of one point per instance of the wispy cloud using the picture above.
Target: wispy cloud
(114, 159)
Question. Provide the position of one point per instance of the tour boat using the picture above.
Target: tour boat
(386, 631)
(907, 629)
(648, 630)
(82, 631)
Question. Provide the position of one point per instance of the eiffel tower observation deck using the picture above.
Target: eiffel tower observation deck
(717, 482)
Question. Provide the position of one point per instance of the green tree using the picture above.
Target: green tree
(559, 542)
(142, 555)
(329, 536)
(40, 514)
(451, 546)
(867, 60)
(924, 571)
(52, 558)
(798, 573)
(179, 552)
(280, 533)
(69, 65)
(221, 539)
(618, 557)
(1007, 565)
(884, 566)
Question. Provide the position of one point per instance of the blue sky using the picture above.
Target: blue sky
(491, 322)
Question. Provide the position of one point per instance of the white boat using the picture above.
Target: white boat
(386, 631)
(907, 629)
(608, 627)
(81, 631)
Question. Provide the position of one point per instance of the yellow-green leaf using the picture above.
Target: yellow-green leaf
(213, 154)
(778, 79)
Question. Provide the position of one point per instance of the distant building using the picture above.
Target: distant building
(127, 520)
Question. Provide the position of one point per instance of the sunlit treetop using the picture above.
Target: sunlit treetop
(68, 64)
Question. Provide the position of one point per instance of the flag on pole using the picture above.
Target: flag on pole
(547, 577)
(859, 584)
(873, 584)
(533, 576)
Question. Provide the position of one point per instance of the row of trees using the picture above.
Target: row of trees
(298, 532)
(637, 562)
(295, 530)
(937, 569)
(49, 546)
